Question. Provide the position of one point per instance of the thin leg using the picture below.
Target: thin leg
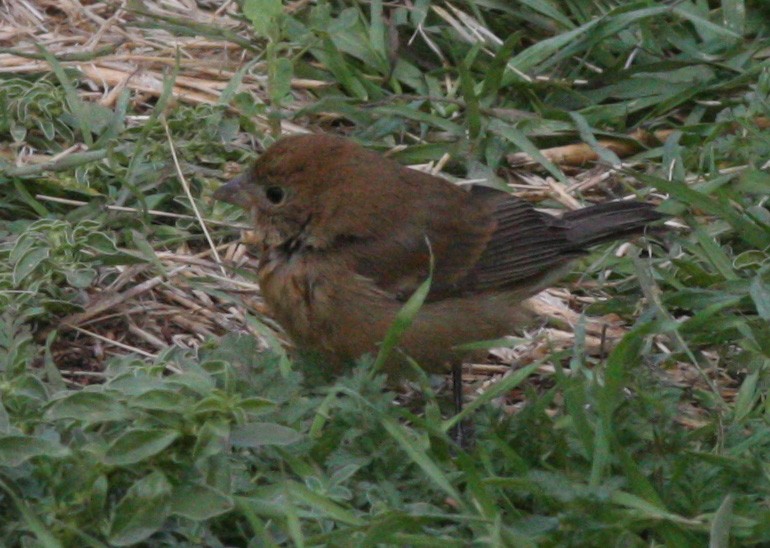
(457, 385)
(458, 431)
(602, 347)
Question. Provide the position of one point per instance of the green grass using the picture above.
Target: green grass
(664, 442)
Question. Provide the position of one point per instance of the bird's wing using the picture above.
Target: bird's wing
(446, 225)
(528, 249)
(525, 247)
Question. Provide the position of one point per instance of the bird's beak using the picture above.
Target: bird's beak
(235, 191)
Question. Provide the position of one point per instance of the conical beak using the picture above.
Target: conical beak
(235, 191)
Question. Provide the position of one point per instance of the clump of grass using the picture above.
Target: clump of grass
(32, 112)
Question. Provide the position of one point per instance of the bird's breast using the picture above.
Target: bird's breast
(293, 290)
(324, 305)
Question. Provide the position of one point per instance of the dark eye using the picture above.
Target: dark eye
(275, 194)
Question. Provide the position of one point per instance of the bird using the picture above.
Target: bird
(345, 236)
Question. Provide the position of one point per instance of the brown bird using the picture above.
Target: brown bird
(347, 236)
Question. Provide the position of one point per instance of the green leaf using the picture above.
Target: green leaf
(263, 15)
(142, 511)
(689, 12)
(719, 536)
(281, 73)
(80, 278)
(747, 230)
(98, 117)
(734, 15)
(28, 263)
(5, 420)
(88, 408)
(258, 434)
(36, 526)
(76, 104)
(197, 381)
(648, 510)
(467, 86)
(199, 502)
(760, 294)
(418, 455)
(300, 493)
(16, 449)
(587, 135)
(750, 258)
(519, 139)
(345, 74)
(569, 43)
(161, 399)
(401, 323)
(747, 396)
(502, 342)
(137, 445)
(715, 253)
(494, 76)
(101, 242)
(257, 405)
(377, 28)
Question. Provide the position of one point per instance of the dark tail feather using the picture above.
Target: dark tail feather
(609, 221)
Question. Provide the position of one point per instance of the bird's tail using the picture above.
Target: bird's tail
(609, 221)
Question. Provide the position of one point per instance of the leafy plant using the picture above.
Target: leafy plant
(50, 260)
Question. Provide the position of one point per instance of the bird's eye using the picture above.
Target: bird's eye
(275, 194)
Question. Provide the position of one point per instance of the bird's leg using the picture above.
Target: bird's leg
(457, 384)
(460, 431)
(602, 347)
